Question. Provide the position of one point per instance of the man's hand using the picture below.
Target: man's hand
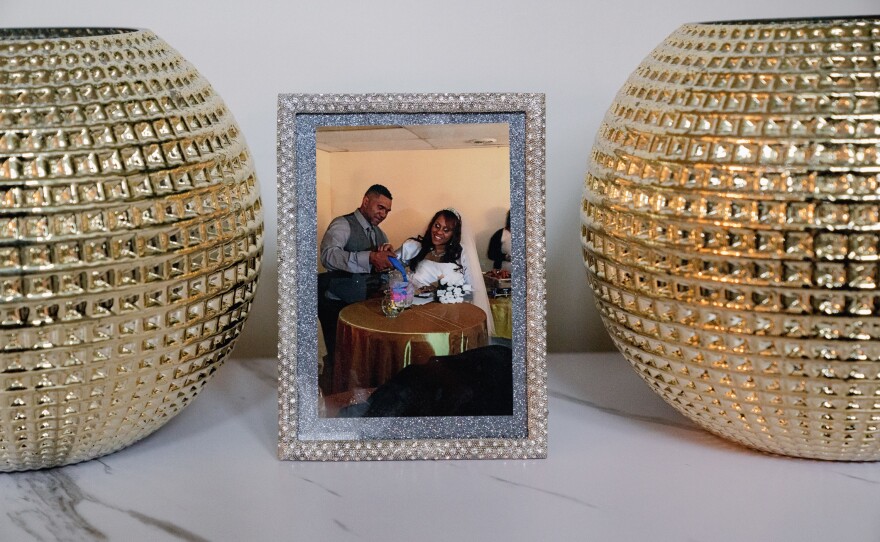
(379, 259)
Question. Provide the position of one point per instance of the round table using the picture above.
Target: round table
(371, 348)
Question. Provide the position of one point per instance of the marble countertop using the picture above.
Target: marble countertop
(622, 465)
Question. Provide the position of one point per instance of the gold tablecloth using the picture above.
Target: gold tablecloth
(371, 348)
(502, 309)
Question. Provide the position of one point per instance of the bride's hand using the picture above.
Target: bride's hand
(386, 247)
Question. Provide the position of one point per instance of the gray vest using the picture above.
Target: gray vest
(358, 240)
(353, 287)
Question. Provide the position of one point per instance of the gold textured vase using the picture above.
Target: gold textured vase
(731, 231)
(130, 240)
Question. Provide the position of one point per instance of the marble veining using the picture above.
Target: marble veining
(210, 475)
(544, 491)
(342, 526)
(49, 509)
(684, 424)
(859, 478)
(320, 486)
(507, 481)
(107, 468)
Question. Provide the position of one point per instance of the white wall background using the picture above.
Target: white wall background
(577, 52)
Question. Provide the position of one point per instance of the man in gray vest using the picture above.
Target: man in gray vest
(355, 252)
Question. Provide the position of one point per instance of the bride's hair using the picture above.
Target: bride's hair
(453, 247)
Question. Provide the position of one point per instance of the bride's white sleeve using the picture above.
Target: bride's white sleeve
(408, 250)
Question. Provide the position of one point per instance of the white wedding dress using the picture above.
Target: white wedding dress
(428, 272)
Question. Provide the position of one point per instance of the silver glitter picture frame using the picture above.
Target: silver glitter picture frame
(305, 435)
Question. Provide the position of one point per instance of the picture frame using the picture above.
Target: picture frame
(306, 430)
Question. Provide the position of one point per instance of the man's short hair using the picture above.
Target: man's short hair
(378, 190)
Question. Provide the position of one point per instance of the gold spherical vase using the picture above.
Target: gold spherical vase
(731, 231)
(131, 234)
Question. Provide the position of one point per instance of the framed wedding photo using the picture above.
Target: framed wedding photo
(411, 276)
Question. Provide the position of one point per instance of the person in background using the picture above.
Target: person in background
(354, 251)
(499, 247)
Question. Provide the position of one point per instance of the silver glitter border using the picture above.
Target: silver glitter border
(304, 436)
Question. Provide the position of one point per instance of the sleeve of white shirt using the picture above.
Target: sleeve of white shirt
(333, 254)
(408, 250)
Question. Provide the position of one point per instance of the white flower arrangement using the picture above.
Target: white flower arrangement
(453, 288)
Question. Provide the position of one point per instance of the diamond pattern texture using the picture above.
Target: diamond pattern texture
(731, 225)
(131, 235)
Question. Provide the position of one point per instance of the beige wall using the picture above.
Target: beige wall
(323, 197)
(474, 181)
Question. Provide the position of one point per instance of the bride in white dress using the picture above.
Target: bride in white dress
(447, 247)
